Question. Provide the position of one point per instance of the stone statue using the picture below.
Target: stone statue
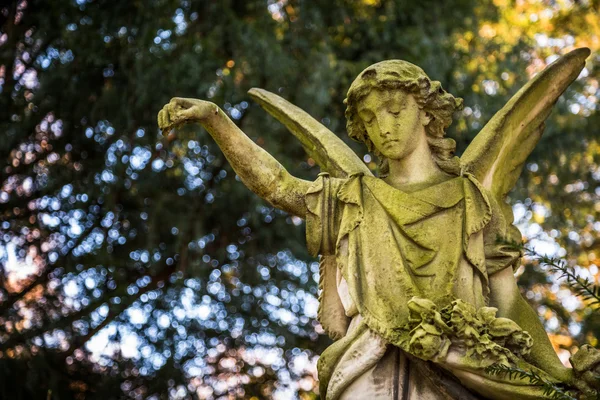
(416, 275)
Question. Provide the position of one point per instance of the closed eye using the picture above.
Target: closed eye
(367, 117)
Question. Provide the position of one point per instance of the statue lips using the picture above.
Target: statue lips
(390, 141)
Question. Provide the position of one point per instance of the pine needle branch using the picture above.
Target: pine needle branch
(583, 287)
(549, 389)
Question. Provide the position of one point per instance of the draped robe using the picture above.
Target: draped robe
(381, 247)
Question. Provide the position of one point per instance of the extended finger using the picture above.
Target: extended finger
(174, 106)
(188, 114)
(180, 117)
(183, 102)
(166, 117)
(161, 119)
(171, 107)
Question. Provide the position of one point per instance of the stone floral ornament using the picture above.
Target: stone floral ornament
(478, 336)
(586, 365)
(411, 268)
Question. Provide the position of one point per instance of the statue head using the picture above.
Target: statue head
(398, 75)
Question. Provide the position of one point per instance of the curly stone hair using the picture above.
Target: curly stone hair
(440, 105)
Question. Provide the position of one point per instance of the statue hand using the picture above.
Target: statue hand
(180, 111)
(586, 370)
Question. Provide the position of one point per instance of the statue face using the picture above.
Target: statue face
(393, 121)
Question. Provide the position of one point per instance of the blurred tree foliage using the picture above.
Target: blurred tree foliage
(135, 265)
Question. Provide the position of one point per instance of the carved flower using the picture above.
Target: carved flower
(461, 315)
(428, 331)
(508, 333)
(520, 343)
(487, 314)
(586, 364)
(421, 309)
(427, 342)
(503, 327)
(483, 338)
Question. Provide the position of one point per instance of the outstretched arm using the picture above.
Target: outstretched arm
(505, 296)
(257, 169)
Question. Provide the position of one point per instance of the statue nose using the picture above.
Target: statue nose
(385, 124)
(385, 132)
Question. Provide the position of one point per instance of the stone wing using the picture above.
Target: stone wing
(497, 154)
(328, 150)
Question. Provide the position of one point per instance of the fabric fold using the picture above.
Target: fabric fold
(386, 245)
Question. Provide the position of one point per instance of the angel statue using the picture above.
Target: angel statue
(416, 277)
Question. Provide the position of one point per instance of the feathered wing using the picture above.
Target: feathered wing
(497, 154)
(334, 157)
(322, 145)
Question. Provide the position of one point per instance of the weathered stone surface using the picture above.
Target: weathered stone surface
(416, 287)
